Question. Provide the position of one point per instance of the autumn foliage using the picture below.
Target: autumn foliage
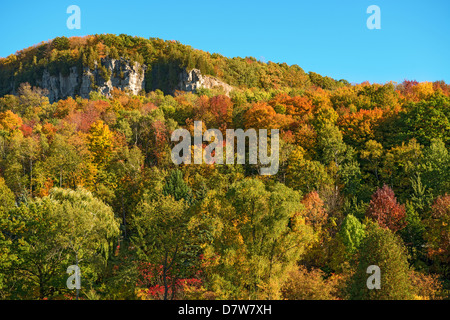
(385, 210)
(363, 178)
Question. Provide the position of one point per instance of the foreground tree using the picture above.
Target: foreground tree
(88, 229)
(310, 285)
(163, 239)
(31, 235)
(47, 235)
(381, 247)
(271, 237)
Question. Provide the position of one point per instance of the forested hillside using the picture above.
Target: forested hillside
(164, 61)
(364, 179)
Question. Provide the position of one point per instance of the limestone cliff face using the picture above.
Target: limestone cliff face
(193, 80)
(109, 73)
(118, 73)
(59, 86)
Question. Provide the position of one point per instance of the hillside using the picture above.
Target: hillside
(363, 178)
(76, 66)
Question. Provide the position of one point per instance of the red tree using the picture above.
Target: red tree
(385, 209)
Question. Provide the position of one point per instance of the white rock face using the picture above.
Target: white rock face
(120, 74)
(59, 86)
(123, 75)
(193, 80)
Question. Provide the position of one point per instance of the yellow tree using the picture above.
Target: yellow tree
(9, 121)
(100, 140)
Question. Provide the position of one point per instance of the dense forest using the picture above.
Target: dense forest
(364, 179)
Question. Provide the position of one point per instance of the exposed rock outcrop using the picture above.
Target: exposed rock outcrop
(193, 80)
(118, 73)
(59, 86)
(110, 73)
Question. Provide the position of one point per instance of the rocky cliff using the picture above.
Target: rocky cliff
(193, 80)
(118, 73)
(103, 77)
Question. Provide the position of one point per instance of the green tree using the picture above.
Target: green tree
(352, 233)
(272, 235)
(162, 238)
(88, 229)
(63, 161)
(47, 235)
(304, 174)
(429, 119)
(31, 236)
(372, 156)
(7, 202)
(61, 43)
(434, 167)
(346, 244)
(382, 248)
(7, 199)
(177, 188)
(413, 236)
(438, 233)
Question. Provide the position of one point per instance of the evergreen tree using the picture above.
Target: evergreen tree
(177, 188)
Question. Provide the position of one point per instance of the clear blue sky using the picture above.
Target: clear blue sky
(329, 37)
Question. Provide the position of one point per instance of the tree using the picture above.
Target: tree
(9, 121)
(315, 212)
(64, 162)
(304, 174)
(272, 235)
(359, 127)
(49, 234)
(372, 154)
(88, 226)
(437, 234)
(262, 116)
(7, 202)
(177, 188)
(31, 236)
(426, 120)
(61, 43)
(401, 163)
(352, 233)
(7, 198)
(434, 168)
(31, 100)
(100, 142)
(128, 167)
(333, 152)
(413, 235)
(382, 248)
(162, 239)
(215, 112)
(385, 210)
(345, 245)
(310, 285)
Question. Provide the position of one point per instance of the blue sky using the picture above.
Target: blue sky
(329, 37)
